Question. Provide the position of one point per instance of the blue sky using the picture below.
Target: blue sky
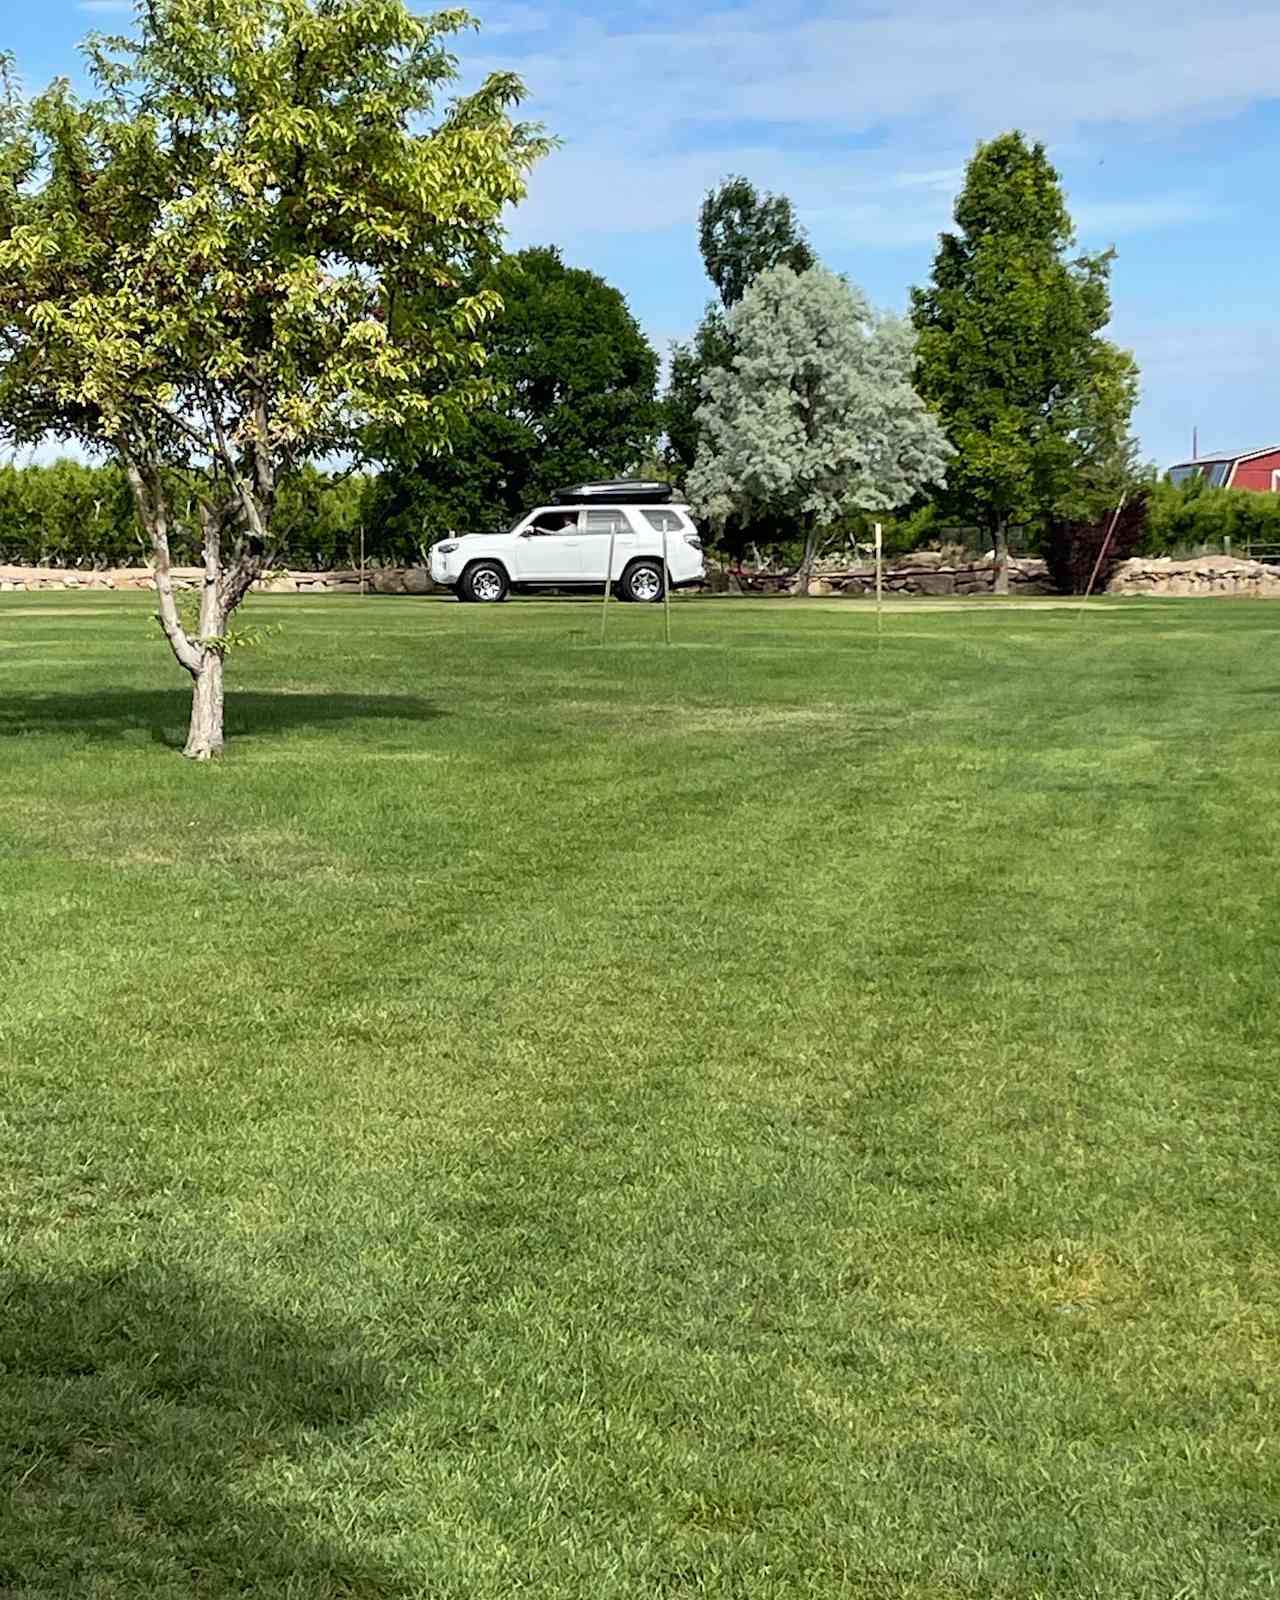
(1164, 120)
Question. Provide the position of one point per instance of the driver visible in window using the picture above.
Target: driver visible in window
(555, 522)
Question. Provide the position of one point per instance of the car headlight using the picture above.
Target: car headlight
(693, 539)
(448, 547)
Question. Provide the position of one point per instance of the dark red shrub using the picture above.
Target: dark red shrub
(1072, 548)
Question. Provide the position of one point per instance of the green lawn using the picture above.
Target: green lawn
(775, 1116)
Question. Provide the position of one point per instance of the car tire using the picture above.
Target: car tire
(484, 583)
(641, 582)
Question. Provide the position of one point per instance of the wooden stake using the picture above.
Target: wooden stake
(1106, 545)
(879, 578)
(362, 588)
(666, 589)
(608, 585)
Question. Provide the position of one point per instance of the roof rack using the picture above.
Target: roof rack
(622, 491)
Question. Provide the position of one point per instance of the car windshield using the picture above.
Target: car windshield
(516, 523)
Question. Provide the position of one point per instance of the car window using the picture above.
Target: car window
(550, 522)
(605, 520)
(663, 521)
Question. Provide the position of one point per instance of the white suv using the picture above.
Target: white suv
(566, 546)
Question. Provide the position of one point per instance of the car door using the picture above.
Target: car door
(597, 526)
(548, 550)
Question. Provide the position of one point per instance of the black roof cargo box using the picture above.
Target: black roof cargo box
(621, 492)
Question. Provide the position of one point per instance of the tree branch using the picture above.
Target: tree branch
(211, 618)
(194, 434)
(149, 498)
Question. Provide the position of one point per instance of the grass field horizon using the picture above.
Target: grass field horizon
(791, 1114)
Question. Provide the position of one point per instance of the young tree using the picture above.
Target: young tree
(1010, 352)
(576, 399)
(196, 266)
(815, 417)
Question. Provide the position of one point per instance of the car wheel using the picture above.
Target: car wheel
(642, 582)
(485, 583)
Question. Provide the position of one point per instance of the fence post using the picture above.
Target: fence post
(666, 589)
(608, 584)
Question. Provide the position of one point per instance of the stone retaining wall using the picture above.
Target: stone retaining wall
(383, 580)
(917, 574)
(1207, 575)
(921, 573)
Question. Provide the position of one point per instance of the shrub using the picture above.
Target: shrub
(1191, 516)
(1071, 549)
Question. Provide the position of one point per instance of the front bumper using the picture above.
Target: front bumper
(446, 569)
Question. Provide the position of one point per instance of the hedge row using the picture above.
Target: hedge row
(72, 515)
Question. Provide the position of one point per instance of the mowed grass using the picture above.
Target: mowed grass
(783, 1115)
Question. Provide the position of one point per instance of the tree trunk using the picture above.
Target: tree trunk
(232, 503)
(809, 559)
(204, 738)
(1000, 544)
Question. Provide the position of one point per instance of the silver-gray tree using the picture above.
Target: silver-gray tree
(815, 418)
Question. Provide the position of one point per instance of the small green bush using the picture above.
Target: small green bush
(1187, 517)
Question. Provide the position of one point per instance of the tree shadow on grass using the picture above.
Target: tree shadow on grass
(134, 1410)
(162, 714)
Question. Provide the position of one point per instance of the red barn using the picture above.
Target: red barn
(1245, 469)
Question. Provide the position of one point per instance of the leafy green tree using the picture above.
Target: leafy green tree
(1010, 352)
(575, 398)
(709, 350)
(741, 233)
(196, 265)
(815, 418)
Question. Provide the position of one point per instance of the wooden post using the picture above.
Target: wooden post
(1106, 545)
(879, 577)
(608, 584)
(666, 589)
(362, 589)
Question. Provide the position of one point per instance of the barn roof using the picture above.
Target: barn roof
(1206, 456)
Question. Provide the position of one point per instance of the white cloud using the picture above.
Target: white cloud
(652, 115)
(1230, 354)
(1113, 219)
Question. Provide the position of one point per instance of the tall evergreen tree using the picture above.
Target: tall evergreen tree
(1010, 350)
